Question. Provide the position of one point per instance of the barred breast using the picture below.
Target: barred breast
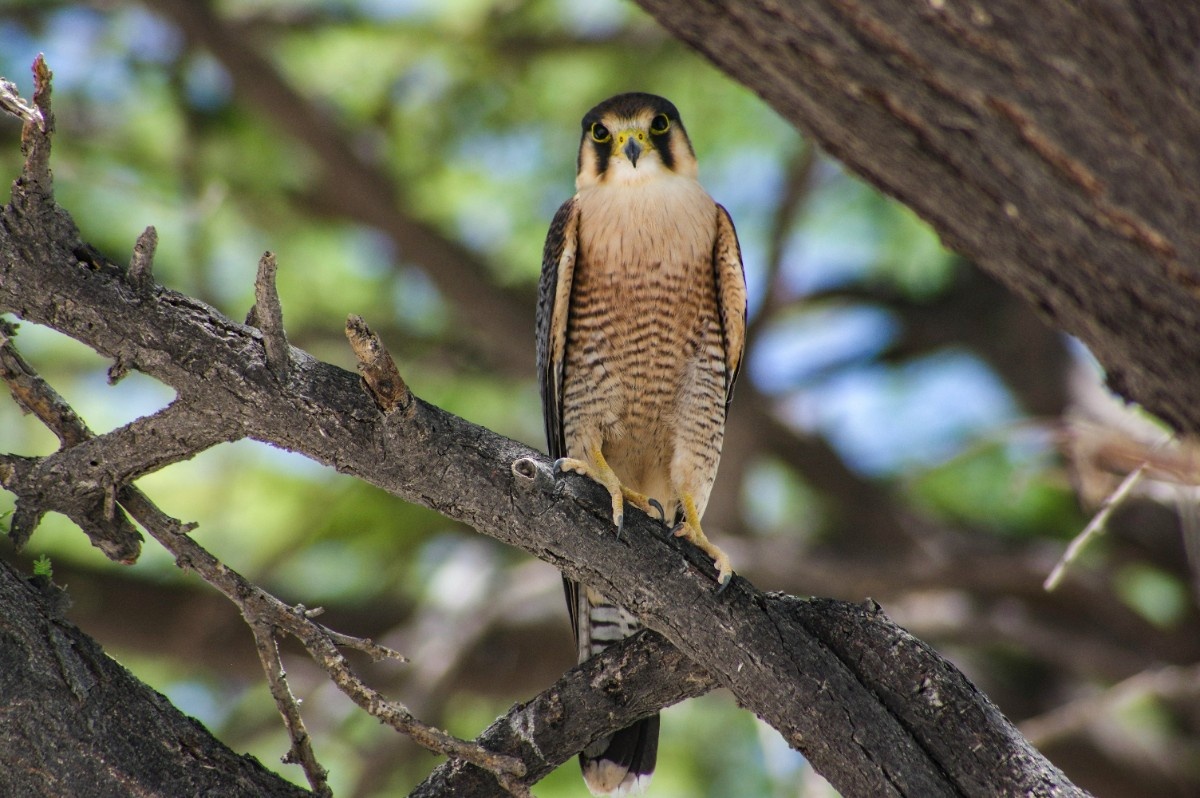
(644, 376)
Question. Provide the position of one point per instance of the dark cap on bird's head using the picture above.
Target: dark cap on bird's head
(632, 128)
(629, 105)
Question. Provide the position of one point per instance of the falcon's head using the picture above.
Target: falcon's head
(632, 138)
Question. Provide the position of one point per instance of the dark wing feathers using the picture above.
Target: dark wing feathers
(558, 269)
(731, 296)
(558, 265)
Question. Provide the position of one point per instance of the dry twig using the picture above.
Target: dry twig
(1171, 681)
(301, 752)
(383, 381)
(267, 315)
(1096, 525)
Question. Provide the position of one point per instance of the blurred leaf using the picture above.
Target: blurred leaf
(1154, 594)
(990, 486)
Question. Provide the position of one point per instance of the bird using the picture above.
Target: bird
(641, 322)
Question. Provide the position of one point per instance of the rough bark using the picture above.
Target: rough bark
(921, 692)
(875, 711)
(1055, 144)
(74, 722)
(636, 679)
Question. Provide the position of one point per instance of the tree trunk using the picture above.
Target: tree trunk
(75, 723)
(1055, 144)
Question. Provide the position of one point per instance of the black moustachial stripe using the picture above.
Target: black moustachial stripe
(629, 105)
(603, 152)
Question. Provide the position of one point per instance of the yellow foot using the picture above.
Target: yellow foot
(689, 529)
(601, 472)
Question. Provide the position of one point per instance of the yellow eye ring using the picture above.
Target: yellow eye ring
(600, 133)
(660, 124)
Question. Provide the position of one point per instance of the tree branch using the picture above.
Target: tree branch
(301, 752)
(263, 612)
(627, 682)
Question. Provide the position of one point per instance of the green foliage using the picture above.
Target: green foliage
(43, 567)
(999, 488)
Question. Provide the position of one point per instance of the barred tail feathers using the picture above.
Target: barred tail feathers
(622, 763)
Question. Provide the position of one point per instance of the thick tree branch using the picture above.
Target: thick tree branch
(635, 678)
(1045, 153)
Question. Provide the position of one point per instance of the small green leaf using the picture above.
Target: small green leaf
(42, 567)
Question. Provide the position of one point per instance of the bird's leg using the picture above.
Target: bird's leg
(599, 470)
(689, 529)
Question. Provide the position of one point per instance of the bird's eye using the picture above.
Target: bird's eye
(600, 133)
(660, 124)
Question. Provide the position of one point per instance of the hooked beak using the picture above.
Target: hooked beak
(632, 150)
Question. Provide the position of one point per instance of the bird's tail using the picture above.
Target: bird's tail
(621, 763)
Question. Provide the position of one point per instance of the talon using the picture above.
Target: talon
(662, 514)
(602, 473)
(689, 528)
(570, 464)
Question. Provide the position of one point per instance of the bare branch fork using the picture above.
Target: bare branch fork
(876, 711)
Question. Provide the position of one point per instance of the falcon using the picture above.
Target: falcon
(641, 321)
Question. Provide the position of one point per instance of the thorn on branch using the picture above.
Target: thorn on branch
(308, 612)
(366, 645)
(141, 264)
(267, 315)
(118, 371)
(25, 518)
(379, 372)
(36, 132)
